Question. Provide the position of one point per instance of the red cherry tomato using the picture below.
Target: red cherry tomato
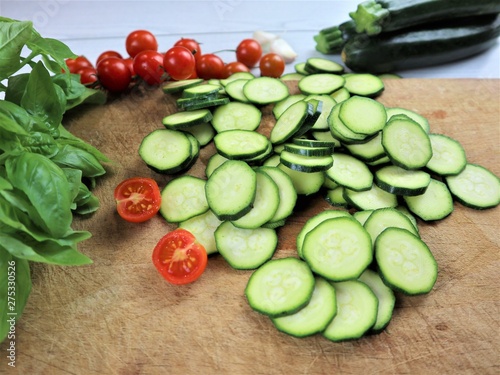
(80, 62)
(179, 63)
(87, 75)
(140, 40)
(179, 258)
(191, 45)
(114, 75)
(272, 65)
(149, 66)
(249, 52)
(106, 54)
(137, 199)
(209, 66)
(234, 67)
(129, 61)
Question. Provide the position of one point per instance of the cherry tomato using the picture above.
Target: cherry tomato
(179, 258)
(106, 54)
(272, 65)
(137, 199)
(114, 75)
(71, 64)
(249, 52)
(234, 67)
(179, 63)
(209, 66)
(87, 75)
(140, 40)
(148, 66)
(191, 45)
(129, 61)
(80, 62)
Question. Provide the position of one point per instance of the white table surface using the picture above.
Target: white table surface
(91, 27)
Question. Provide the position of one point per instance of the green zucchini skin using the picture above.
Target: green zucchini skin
(378, 16)
(421, 46)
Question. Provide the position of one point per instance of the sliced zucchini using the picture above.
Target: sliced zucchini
(166, 151)
(265, 204)
(370, 199)
(315, 65)
(314, 317)
(321, 83)
(399, 181)
(281, 106)
(338, 249)
(383, 218)
(312, 222)
(350, 172)
(186, 119)
(230, 190)
(418, 118)
(290, 121)
(435, 204)
(406, 143)
(286, 190)
(265, 90)
(280, 287)
(405, 262)
(240, 144)
(236, 115)
(357, 308)
(385, 295)
(363, 115)
(475, 187)
(203, 227)
(364, 84)
(448, 155)
(336, 197)
(182, 198)
(307, 164)
(178, 86)
(305, 183)
(245, 249)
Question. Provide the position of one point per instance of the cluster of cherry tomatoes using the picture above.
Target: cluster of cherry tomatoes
(183, 60)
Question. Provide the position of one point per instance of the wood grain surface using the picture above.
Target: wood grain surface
(118, 316)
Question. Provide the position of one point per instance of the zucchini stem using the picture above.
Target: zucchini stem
(369, 17)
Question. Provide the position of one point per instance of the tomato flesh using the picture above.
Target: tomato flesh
(137, 199)
(179, 258)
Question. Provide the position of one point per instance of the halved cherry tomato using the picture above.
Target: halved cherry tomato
(249, 52)
(140, 40)
(137, 199)
(272, 65)
(179, 258)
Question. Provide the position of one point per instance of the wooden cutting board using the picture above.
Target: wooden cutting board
(118, 316)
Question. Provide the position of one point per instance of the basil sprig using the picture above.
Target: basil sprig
(46, 173)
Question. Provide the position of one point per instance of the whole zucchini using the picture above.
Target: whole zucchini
(375, 16)
(421, 46)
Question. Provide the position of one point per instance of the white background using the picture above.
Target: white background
(91, 27)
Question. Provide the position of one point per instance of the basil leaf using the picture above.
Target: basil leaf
(66, 138)
(74, 157)
(54, 48)
(40, 143)
(70, 83)
(13, 37)
(19, 270)
(41, 99)
(16, 85)
(44, 252)
(47, 188)
(89, 96)
(17, 113)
